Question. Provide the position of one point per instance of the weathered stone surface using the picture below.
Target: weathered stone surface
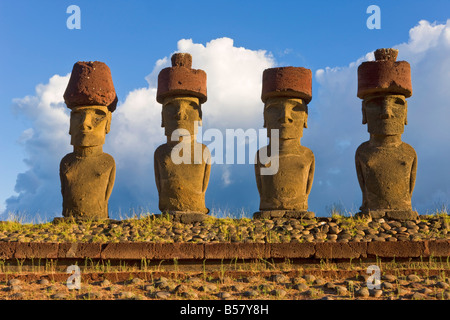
(400, 249)
(384, 75)
(181, 80)
(338, 250)
(137, 250)
(7, 250)
(80, 250)
(439, 248)
(36, 250)
(236, 250)
(286, 93)
(291, 250)
(87, 174)
(386, 167)
(292, 82)
(90, 84)
(178, 251)
(182, 165)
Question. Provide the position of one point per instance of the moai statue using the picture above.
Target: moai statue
(385, 166)
(285, 169)
(182, 165)
(87, 174)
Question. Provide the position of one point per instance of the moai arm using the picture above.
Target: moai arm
(61, 177)
(310, 176)
(112, 178)
(359, 172)
(156, 168)
(258, 172)
(207, 168)
(413, 175)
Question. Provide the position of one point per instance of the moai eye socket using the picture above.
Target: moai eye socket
(399, 101)
(100, 112)
(298, 107)
(374, 102)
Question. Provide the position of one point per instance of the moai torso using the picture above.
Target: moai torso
(182, 186)
(289, 188)
(385, 165)
(386, 175)
(86, 184)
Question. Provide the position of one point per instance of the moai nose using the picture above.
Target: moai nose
(285, 116)
(86, 122)
(181, 114)
(386, 111)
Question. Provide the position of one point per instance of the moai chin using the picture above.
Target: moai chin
(385, 166)
(87, 174)
(182, 165)
(284, 191)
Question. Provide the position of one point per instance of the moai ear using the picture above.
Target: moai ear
(406, 112)
(162, 119)
(305, 124)
(364, 117)
(70, 125)
(108, 122)
(200, 115)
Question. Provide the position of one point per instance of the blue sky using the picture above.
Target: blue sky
(136, 39)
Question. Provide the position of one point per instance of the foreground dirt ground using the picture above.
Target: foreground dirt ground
(229, 286)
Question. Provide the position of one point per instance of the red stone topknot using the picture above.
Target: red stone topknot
(384, 75)
(181, 80)
(90, 84)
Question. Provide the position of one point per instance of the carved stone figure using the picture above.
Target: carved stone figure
(87, 174)
(385, 165)
(285, 169)
(182, 165)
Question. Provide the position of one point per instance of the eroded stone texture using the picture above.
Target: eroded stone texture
(87, 174)
(385, 166)
(284, 191)
(182, 165)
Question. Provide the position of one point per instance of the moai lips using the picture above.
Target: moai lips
(284, 192)
(182, 183)
(386, 166)
(87, 174)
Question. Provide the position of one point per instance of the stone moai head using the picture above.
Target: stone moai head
(181, 91)
(384, 85)
(286, 92)
(91, 96)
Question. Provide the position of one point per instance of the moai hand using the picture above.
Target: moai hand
(284, 191)
(182, 165)
(385, 166)
(87, 174)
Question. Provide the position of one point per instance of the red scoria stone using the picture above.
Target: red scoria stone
(181, 80)
(91, 84)
(292, 82)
